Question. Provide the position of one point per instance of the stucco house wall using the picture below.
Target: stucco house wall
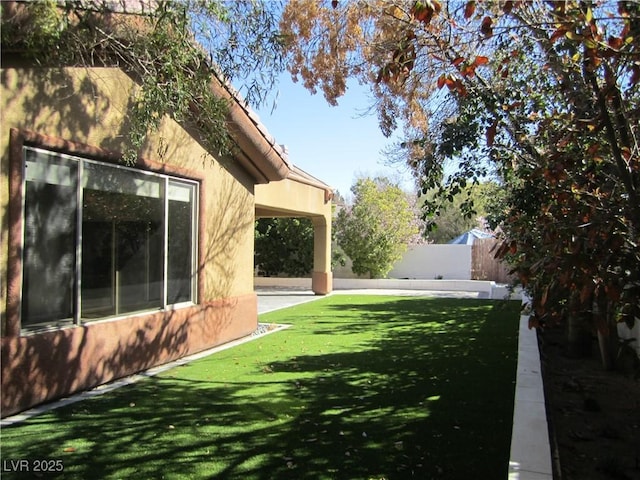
(274, 200)
(85, 112)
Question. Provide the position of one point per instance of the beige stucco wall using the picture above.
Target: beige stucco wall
(228, 211)
(92, 106)
(293, 198)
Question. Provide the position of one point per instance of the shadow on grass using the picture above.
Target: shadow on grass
(384, 388)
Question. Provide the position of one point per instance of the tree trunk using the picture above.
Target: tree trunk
(607, 334)
(578, 336)
(606, 352)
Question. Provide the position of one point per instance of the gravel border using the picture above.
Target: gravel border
(266, 328)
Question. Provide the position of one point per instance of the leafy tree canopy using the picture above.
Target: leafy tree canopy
(172, 48)
(284, 246)
(545, 94)
(376, 229)
(451, 218)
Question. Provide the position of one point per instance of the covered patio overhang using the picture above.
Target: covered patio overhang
(302, 195)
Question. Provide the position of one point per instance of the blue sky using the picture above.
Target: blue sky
(335, 144)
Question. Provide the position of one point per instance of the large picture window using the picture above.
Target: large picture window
(103, 240)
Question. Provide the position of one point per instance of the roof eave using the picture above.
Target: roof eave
(262, 158)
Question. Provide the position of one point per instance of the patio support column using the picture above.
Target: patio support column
(322, 277)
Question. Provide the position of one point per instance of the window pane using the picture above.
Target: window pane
(122, 241)
(98, 294)
(125, 243)
(49, 262)
(180, 287)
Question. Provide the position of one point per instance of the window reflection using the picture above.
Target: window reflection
(133, 227)
(49, 257)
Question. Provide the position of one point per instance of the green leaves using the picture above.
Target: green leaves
(284, 246)
(543, 94)
(172, 50)
(376, 229)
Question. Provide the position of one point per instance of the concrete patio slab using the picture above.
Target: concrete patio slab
(270, 300)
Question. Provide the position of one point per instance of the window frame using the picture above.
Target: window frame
(22, 140)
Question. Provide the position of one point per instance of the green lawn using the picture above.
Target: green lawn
(361, 387)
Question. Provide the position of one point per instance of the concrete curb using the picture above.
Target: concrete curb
(530, 457)
(484, 288)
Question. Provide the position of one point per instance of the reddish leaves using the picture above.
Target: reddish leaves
(615, 43)
(508, 6)
(506, 247)
(469, 9)
(452, 83)
(635, 74)
(424, 10)
(559, 33)
(401, 64)
(466, 69)
(491, 133)
(487, 26)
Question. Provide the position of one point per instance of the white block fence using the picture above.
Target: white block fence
(426, 262)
